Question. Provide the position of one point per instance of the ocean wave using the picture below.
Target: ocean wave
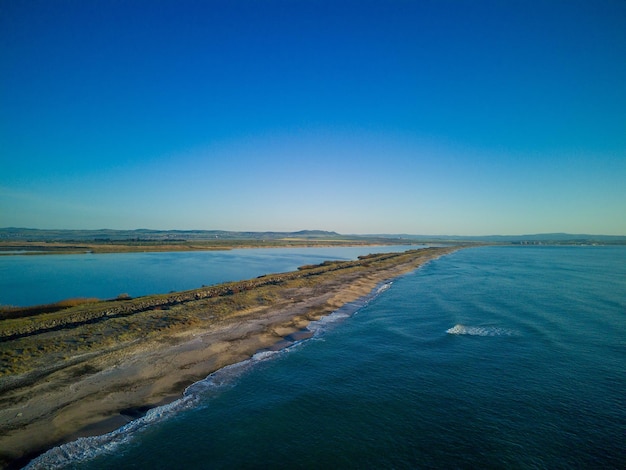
(318, 327)
(459, 329)
(88, 448)
(382, 288)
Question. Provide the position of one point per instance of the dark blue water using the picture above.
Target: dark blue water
(495, 357)
(31, 280)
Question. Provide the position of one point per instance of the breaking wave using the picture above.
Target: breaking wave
(88, 448)
(459, 329)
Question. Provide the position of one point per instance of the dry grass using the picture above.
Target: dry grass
(7, 312)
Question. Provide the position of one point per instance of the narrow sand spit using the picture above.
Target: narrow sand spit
(71, 393)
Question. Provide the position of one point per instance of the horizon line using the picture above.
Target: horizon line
(371, 234)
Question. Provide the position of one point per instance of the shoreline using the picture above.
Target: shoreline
(127, 415)
(106, 388)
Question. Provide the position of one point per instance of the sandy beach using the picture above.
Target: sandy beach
(104, 387)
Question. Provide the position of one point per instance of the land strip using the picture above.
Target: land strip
(79, 370)
(53, 248)
(40, 242)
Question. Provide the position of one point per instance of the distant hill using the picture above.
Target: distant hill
(38, 235)
(147, 235)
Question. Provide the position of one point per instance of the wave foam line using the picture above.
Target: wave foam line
(88, 448)
(346, 311)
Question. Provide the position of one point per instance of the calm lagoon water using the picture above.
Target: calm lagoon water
(32, 279)
(493, 357)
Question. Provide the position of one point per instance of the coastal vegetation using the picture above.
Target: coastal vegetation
(22, 312)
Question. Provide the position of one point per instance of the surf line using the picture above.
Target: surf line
(88, 448)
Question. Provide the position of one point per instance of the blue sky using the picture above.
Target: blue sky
(423, 117)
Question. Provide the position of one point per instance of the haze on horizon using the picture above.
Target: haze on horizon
(420, 117)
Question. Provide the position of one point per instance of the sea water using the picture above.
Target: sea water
(491, 357)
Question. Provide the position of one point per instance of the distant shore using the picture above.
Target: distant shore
(32, 248)
(28, 241)
(90, 368)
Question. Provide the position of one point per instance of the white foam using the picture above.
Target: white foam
(227, 375)
(383, 288)
(346, 311)
(87, 448)
(459, 329)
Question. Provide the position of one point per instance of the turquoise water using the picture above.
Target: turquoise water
(494, 357)
(32, 280)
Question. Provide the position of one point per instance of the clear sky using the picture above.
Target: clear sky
(394, 116)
